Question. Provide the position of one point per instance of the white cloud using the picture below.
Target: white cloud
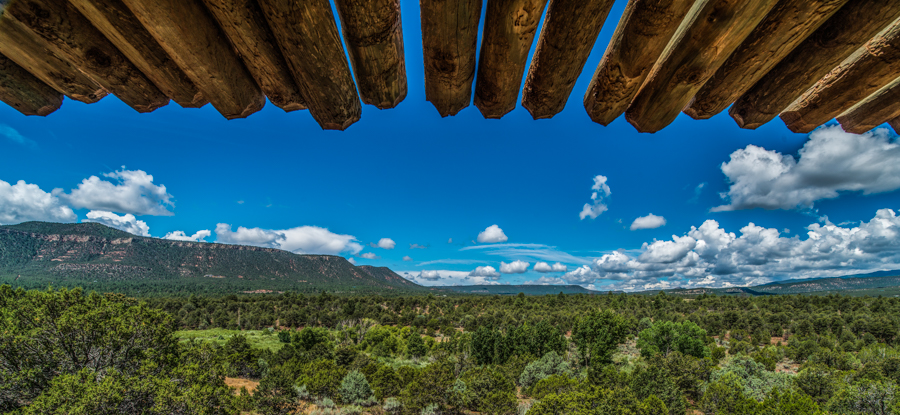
(386, 243)
(127, 222)
(650, 221)
(369, 255)
(541, 266)
(13, 135)
(529, 251)
(598, 199)
(417, 246)
(24, 202)
(515, 267)
(351, 260)
(429, 275)
(546, 281)
(181, 236)
(710, 256)
(442, 277)
(557, 267)
(133, 192)
(486, 271)
(697, 191)
(300, 240)
(832, 161)
(450, 241)
(407, 258)
(492, 234)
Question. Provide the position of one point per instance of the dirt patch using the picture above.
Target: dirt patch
(238, 383)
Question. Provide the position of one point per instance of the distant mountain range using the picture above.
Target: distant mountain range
(94, 256)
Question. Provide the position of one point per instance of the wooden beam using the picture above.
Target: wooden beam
(374, 37)
(788, 24)
(509, 29)
(879, 108)
(644, 30)
(718, 29)
(567, 37)
(449, 42)
(122, 28)
(35, 56)
(246, 27)
(62, 26)
(850, 27)
(308, 36)
(189, 34)
(871, 68)
(25, 92)
(895, 124)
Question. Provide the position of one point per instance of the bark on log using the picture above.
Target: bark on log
(509, 29)
(449, 42)
(246, 27)
(788, 24)
(25, 92)
(307, 34)
(38, 58)
(643, 32)
(63, 27)
(567, 37)
(895, 124)
(374, 36)
(122, 28)
(881, 107)
(871, 68)
(848, 29)
(189, 34)
(718, 29)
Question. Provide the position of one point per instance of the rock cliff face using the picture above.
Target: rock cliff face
(36, 254)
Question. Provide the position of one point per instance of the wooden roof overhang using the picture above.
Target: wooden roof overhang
(807, 61)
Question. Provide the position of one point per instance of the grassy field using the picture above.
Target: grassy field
(260, 339)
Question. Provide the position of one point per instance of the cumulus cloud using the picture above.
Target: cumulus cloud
(541, 266)
(598, 199)
(650, 221)
(710, 256)
(407, 258)
(181, 236)
(832, 161)
(127, 222)
(546, 281)
(442, 277)
(24, 202)
(486, 271)
(11, 134)
(130, 191)
(515, 267)
(386, 243)
(299, 240)
(492, 234)
(351, 260)
(369, 255)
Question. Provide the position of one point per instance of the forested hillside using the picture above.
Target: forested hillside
(38, 254)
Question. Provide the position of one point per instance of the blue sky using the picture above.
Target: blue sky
(408, 175)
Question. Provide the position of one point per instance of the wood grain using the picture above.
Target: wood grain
(719, 28)
(191, 37)
(570, 30)
(509, 29)
(449, 43)
(308, 37)
(246, 27)
(122, 28)
(644, 30)
(374, 36)
(25, 92)
(848, 29)
(879, 108)
(788, 24)
(73, 36)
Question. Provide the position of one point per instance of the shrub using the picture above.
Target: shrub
(392, 405)
(554, 384)
(550, 364)
(355, 389)
(666, 337)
